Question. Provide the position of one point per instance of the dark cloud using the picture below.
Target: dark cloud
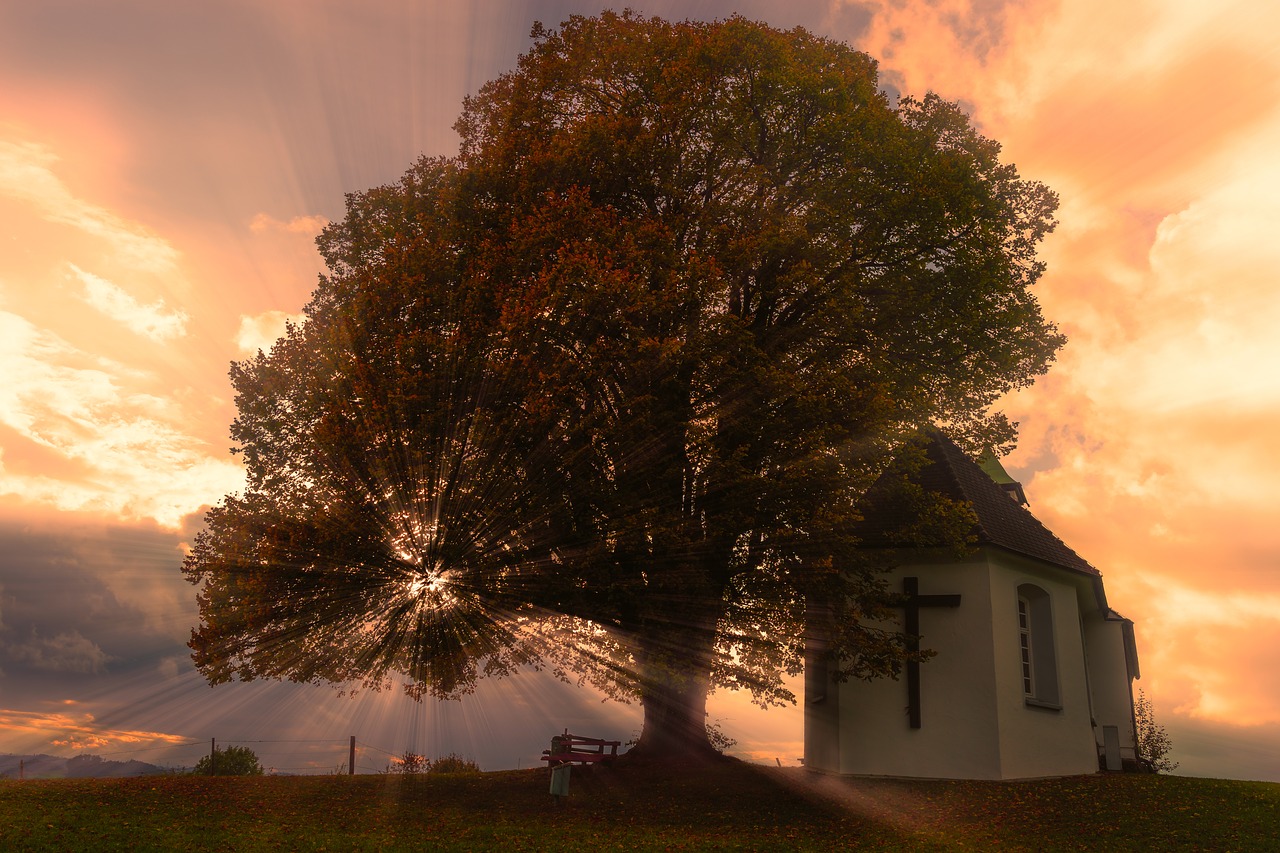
(69, 651)
(88, 597)
(1218, 750)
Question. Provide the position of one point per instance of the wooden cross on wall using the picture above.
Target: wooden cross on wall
(911, 588)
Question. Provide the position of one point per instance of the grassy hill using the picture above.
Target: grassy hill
(728, 806)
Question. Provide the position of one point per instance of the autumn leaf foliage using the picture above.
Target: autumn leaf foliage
(601, 393)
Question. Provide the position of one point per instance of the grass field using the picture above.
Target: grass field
(728, 806)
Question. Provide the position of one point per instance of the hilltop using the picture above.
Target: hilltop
(83, 766)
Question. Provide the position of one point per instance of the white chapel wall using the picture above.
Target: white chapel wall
(1038, 741)
(976, 722)
(958, 738)
(1109, 679)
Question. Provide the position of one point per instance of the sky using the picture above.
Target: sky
(164, 170)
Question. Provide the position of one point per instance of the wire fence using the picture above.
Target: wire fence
(287, 756)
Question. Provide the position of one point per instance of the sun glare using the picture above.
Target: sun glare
(431, 589)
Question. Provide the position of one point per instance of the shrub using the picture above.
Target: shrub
(1154, 743)
(454, 763)
(410, 762)
(231, 761)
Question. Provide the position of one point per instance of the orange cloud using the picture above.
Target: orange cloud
(90, 411)
(154, 321)
(306, 225)
(89, 419)
(32, 729)
(1200, 644)
(1138, 134)
(27, 175)
(262, 331)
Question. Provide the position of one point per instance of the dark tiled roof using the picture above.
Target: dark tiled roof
(1001, 521)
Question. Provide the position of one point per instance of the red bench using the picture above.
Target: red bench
(571, 749)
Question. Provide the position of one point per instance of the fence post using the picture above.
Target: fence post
(351, 762)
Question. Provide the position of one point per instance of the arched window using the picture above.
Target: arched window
(1035, 644)
(1024, 641)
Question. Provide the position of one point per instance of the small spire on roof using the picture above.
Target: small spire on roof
(991, 466)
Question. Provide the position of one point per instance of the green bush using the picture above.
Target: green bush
(454, 763)
(231, 761)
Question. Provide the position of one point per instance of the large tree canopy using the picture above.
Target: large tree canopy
(602, 392)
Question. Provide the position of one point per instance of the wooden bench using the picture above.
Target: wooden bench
(576, 749)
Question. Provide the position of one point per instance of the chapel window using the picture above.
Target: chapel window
(1024, 641)
(1037, 657)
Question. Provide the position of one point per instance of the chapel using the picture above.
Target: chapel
(1032, 673)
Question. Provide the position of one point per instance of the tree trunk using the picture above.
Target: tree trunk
(675, 719)
(675, 677)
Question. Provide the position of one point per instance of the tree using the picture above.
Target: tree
(602, 392)
(1154, 743)
(229, 761)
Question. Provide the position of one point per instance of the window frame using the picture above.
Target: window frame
(1038, 659)
(1024, 647)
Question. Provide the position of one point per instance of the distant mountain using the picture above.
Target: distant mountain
(82, 766)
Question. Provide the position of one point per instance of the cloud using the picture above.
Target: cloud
(1201, 644)
(69, 651)
(262, 331)
(1221, 749)
(80, 731)
(1165, 402)
(154, 321)
(81, 592)
(126, 449)
(934, 31)
(307, 225)
(1092, 96)
(26, 174)
(90, 418)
